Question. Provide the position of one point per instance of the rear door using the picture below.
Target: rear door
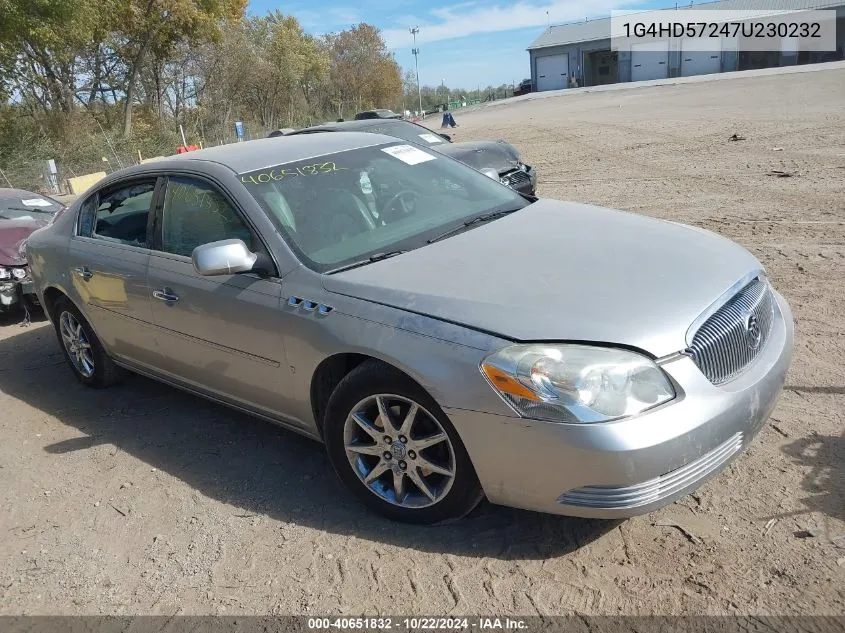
(219, 334)
(108, 256)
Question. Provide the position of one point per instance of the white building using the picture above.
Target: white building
(583, 49)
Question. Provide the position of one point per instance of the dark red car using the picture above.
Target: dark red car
(21, 213)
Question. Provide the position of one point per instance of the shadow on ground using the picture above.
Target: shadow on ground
(823, 458)
(251, 464)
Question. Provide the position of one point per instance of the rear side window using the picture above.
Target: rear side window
(121, 215)
(87, 217)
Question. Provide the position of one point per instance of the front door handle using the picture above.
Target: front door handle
(83, 272)
(165, 294)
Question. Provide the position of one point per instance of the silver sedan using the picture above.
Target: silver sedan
(446, 337)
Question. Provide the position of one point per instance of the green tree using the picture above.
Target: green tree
(297, 62)
(158, 26)
(40, 45)
(362, 71)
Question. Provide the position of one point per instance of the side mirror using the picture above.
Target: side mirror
(226, 257)
(446, 136)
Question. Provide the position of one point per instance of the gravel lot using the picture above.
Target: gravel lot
(141, 499)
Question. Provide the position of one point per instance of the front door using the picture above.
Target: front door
(108, 259)
(219, 334)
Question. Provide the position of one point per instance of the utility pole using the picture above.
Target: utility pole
(414, 30)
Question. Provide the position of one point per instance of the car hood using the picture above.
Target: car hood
(499, 155)
(12, 235)
(558, 271)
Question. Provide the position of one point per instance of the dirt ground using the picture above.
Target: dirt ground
(141, 499)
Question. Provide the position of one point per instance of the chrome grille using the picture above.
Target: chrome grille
(516, 179)
(732, 337)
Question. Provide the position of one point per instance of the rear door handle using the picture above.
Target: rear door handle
(83, 272)
(165, 294)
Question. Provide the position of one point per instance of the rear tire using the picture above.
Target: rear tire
(82, 349)
(423, 475)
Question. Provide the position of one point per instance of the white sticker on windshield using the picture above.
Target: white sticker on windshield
(408, 154)
(37, 202)
(431, 138)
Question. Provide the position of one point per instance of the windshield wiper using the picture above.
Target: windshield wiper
(376, 257)
(486, 217)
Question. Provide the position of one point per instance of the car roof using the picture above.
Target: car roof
(341, 126)
(253, 155)
(267, 152)
(14, 194)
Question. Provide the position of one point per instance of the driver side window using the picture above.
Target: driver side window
(195, 213)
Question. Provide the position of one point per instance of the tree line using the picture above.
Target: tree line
(98, 84)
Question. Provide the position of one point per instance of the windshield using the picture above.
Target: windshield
(29, 206)
(342, 208)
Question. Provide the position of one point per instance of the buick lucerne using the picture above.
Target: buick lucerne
(446, 337)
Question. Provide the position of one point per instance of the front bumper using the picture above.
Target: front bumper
(13, 291)
(630, 467)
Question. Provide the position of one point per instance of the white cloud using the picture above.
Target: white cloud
(334, 18)
(344, 15)
(472, 18)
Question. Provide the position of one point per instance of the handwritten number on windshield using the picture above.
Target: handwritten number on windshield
(290, 172)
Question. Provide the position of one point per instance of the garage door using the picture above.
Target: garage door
(649, 64)
(698, 62)
(552, 72)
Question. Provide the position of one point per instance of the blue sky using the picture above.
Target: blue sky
(467, 44)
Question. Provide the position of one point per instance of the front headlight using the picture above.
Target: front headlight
(18, 273)
(576, 383)
(5, 273)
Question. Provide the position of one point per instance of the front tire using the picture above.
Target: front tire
(82, 349)
(395, 449)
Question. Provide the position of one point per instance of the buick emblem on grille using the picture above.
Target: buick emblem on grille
(753, 334)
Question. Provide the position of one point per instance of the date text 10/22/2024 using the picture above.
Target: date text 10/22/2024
(417, 624)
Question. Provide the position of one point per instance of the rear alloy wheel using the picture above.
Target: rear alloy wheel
(76, 345)
(393, 446)
(83, 350)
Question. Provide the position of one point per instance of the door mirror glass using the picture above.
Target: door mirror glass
(226, 257)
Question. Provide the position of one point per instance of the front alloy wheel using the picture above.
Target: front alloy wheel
(395, 448)
(399, 451)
